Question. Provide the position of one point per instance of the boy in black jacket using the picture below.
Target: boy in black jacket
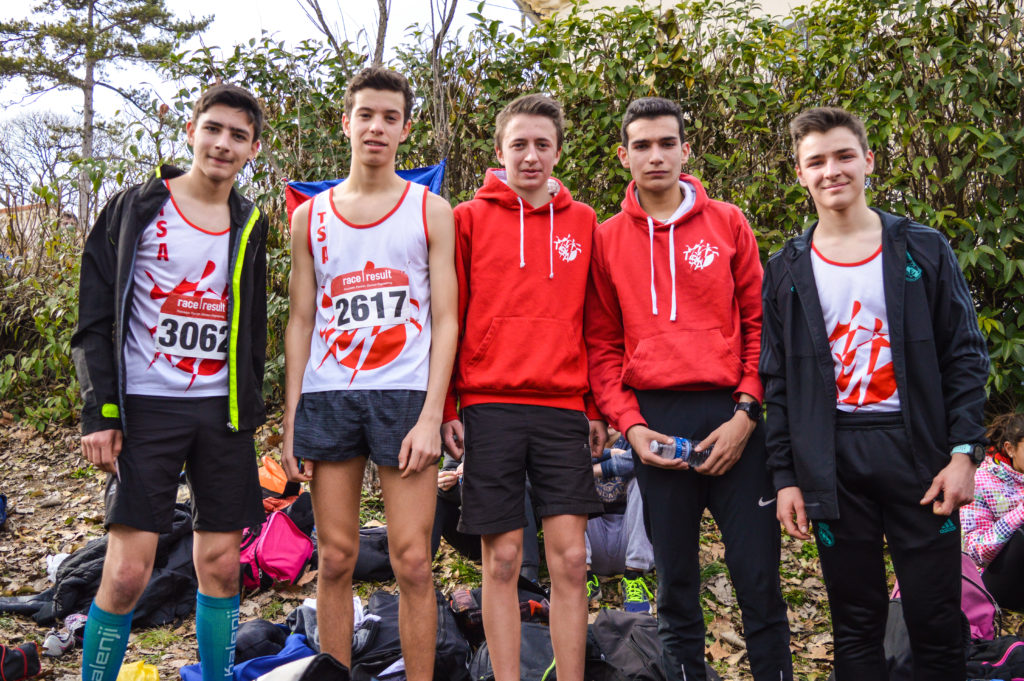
(874, 372)
(169, 351)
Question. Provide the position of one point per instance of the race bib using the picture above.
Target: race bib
(193, 327)
(372, 297)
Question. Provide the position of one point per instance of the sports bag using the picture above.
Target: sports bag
(276, 551)
(536, 658)
(978, 605)
(1000, 658)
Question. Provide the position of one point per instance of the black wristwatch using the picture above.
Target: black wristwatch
(751, 409)
(975, 451)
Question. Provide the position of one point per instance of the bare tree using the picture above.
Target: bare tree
(383, 12)
(442, 12)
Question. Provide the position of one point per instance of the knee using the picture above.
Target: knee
(570, 563)
(412, 567)
(336, 560)
(125, 580)
(504, 562)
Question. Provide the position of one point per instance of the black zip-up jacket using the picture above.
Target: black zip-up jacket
(105, 300)
(939, 357)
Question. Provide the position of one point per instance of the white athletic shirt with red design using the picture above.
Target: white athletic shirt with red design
(853, 303)
(372, 328)
(178, 330)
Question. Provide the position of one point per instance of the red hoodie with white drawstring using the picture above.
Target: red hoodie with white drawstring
(673, 306)
(522, 274)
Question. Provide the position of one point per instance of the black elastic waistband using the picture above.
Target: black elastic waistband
(861, 420)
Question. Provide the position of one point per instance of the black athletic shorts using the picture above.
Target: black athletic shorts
(338, 425)
(163, 435)
(505, 443)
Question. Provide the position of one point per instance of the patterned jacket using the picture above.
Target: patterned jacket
(996, 513)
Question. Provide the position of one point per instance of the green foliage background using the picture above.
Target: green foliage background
(939, 85)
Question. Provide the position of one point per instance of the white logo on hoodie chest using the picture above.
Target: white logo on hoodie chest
(700, 255)
(567, 248)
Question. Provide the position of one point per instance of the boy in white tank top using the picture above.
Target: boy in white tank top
(369, 349)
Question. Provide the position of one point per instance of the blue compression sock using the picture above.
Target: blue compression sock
(106, 638)
(216, 628)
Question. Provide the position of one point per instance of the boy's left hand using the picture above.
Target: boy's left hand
(421, 448)
(598, 436)
(955, 483)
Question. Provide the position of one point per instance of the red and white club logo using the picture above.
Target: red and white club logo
(191, 332)
(368, 314)
(860, 346)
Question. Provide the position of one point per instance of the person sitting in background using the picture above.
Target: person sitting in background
(617, 542)
(993, 524)
(449, 510)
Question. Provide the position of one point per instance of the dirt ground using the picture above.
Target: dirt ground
(55, 506)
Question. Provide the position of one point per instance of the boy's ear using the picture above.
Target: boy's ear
(190, 131)
(406, 129)
(623, 155)
(501, 157)
(254, 150)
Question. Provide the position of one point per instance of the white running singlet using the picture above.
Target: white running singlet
(853, 303)
(372, 329)
(178, 330)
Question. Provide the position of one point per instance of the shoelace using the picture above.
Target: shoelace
(636, 589)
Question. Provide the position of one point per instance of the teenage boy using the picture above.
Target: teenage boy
(169, 351)
(679, 358)
(874, 372)
(368, 353)
(523, 251)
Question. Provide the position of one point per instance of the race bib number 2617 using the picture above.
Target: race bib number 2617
(373, 297)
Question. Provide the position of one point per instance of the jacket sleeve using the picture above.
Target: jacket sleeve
(984, 535)
(92, 345)
(962, 352)
(747, 274)
(772, 368)
(463, 257)
(259, 305)
(606, 349)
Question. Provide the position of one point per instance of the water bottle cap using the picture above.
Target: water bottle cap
(654, 446)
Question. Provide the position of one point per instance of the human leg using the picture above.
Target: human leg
(639, 552)
(335, 489)
(502, 557)
(530, 568)
(409, 547)
(741, 503)
(1003, 575)
(566, 559)
(215, 555)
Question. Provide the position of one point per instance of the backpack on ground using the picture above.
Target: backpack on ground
(1000, 658)
(978, 605)
(536, 658)
(276, 551)
(373, 564)
(629, 642)
(466, 605)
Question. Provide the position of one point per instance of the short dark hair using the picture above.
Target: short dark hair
(651, 107)
(531, 105)
(379, 78)
(234, 97)
(822, 119)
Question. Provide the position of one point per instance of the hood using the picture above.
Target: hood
(694, 201)
(496, 190)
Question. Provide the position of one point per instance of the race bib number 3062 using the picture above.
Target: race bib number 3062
(193, 327)
(373, 297)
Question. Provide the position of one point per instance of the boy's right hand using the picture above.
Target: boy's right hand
(790, 512)
(640, 438)
(452, 435)
(102, 448)
(292, 469)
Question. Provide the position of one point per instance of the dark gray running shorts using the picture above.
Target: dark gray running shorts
(162, 435)
(337, 425)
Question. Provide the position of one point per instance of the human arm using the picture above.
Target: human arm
(789, 509)
(729, 441)
(985, 532)
(772, 368)
(955, 483)
(421, 447)
(259, 303)
(452, 433)
(297, 336)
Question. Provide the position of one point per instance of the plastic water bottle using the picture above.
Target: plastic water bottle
(682, 448)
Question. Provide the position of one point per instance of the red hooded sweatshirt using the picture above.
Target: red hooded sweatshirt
(673, 306)
(522, 274)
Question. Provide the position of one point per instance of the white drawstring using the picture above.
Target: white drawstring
(672, 267)
(551, 240)
(522, 258)
(654, 294)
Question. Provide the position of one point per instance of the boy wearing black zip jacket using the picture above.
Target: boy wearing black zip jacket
(169, 351)
(874, 372)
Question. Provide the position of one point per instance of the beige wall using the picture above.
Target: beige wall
(546, 8)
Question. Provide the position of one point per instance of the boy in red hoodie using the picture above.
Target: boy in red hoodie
(522, 260)
(673, 335)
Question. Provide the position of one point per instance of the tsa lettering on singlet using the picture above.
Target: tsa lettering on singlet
(371, 297)
(190, 326)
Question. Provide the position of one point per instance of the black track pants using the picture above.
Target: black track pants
(743, 504)
(878, 493)
(1004, 577)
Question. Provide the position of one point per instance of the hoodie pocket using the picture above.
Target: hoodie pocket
(528, 354)
(698, 358)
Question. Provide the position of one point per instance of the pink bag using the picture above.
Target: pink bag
(277, 551)
(978, 605)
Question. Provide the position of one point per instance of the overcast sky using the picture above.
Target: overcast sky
(236, 21)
